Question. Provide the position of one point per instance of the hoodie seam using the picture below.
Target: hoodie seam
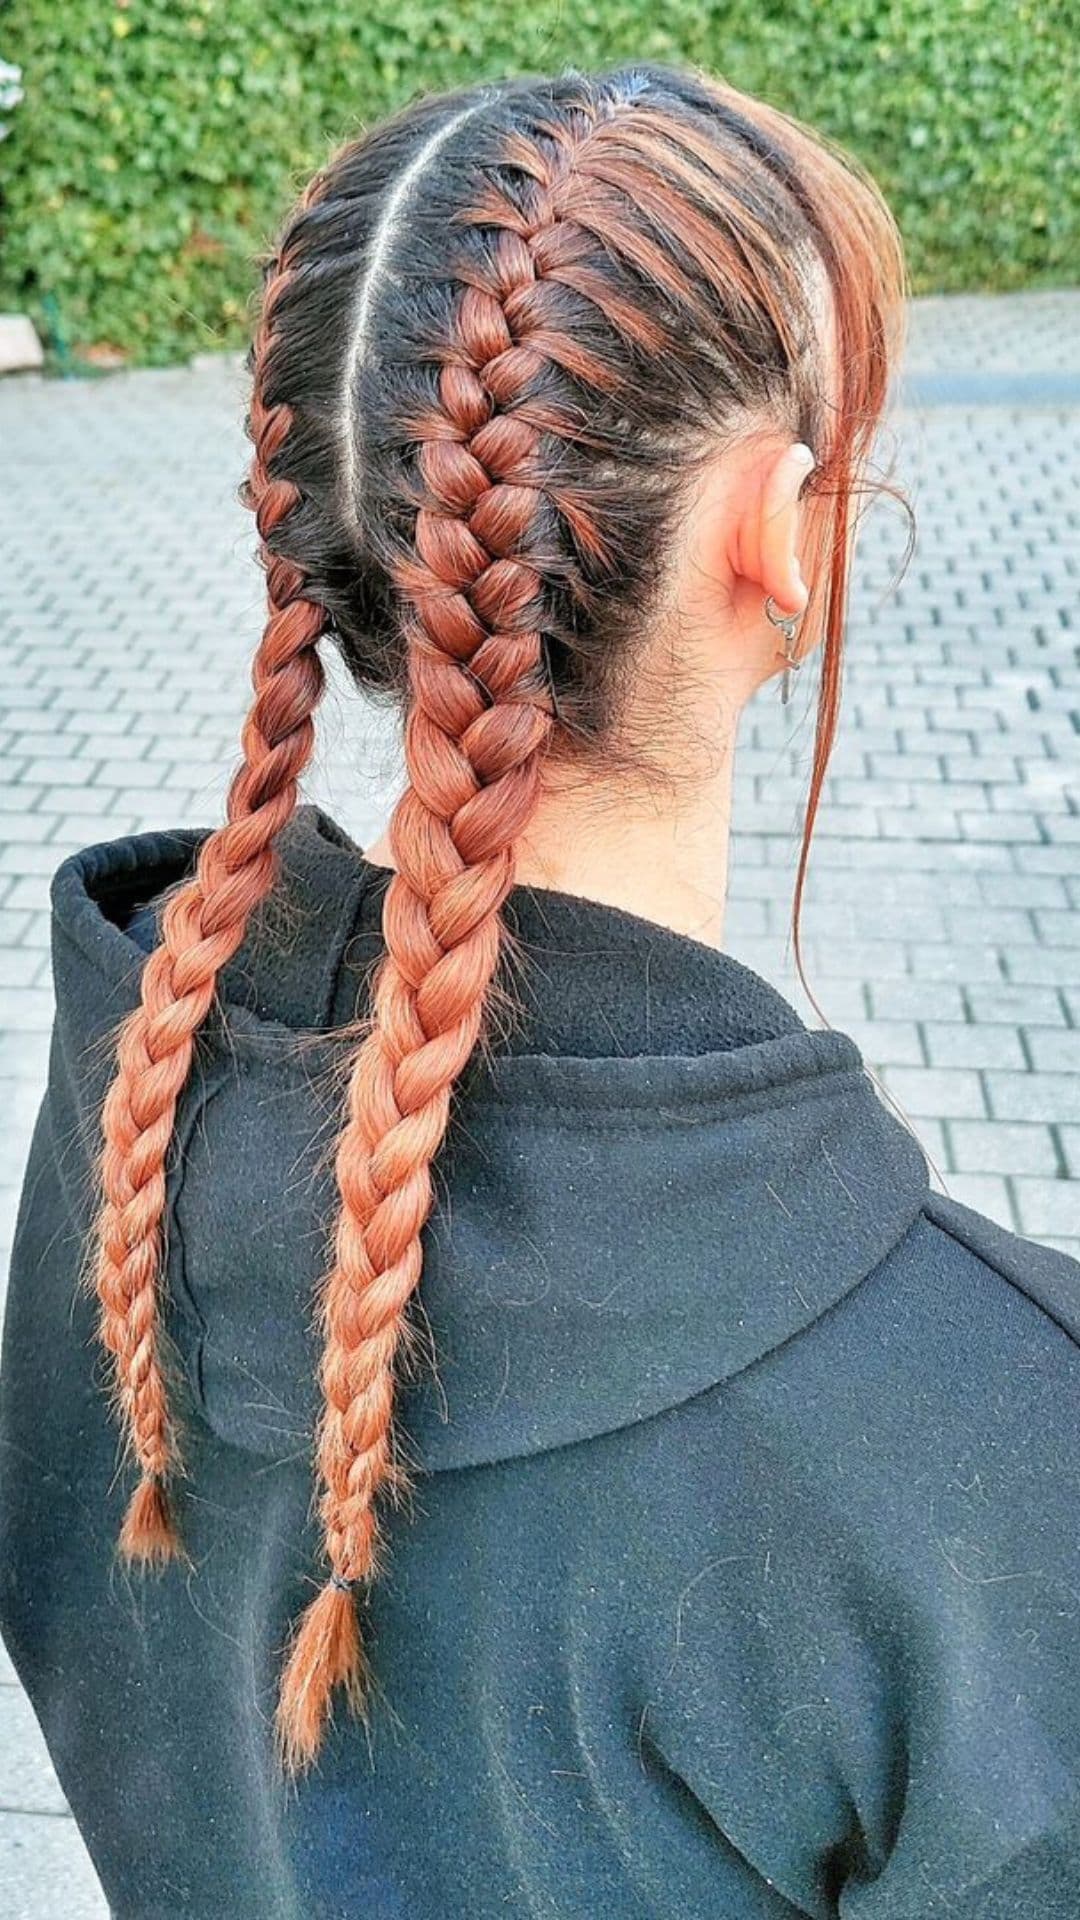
(181, 1293)
(695, 1394)
(250, 1038)
(565, 1117)
(670, 1115)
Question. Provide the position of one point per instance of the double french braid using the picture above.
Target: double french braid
(504, 332)
(202, 926)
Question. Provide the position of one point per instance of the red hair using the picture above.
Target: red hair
(201, 928)
(642, 221)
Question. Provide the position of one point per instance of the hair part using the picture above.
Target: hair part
(468, 460)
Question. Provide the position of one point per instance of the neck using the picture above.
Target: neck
(665, 860)
(661, 854)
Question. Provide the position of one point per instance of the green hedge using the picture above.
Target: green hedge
(160, 140)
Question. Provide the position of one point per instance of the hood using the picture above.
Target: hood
(657, 1176)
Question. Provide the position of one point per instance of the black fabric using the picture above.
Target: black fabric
(743, 1578)
(596, 981)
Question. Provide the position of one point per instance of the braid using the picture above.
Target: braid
(202, 927)
(480, 717)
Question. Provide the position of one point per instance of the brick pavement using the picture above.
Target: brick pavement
(941, 926)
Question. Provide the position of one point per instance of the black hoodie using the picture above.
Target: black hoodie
(743, 1579)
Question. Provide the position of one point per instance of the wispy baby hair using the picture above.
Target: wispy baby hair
(498, 336)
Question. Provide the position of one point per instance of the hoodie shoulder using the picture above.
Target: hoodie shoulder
(1049, 1277)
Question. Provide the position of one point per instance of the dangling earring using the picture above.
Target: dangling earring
(788, 623)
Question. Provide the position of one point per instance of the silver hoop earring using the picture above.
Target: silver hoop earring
(788, 625)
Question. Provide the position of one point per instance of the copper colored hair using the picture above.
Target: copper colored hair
(498, 336)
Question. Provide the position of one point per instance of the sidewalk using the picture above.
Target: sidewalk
(942, 928)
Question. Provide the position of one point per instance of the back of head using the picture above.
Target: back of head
(499, 335)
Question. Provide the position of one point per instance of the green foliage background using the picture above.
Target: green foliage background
(160, 141)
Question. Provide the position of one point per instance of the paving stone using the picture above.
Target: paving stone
(45, 1870)
(994, 1004)
(116, 748)
(37, 930)
(919, 823)
(78, 798)
(1048, 1206)
(25, 1009)
(58, 772)
(981, 332)
(20, 1095)
(999, 826)
(1058, 1052)
(133, 776)
(22, 829)
(17, 797)
(938, 1092)
(987, 1193)
(870, 960)
(1070, 1147)
(19, 966)
(1058, 929)
(844, 1001)
(18, 858)
(30, 892)
(995, 1146)
(1036, 966)
(117, 725)
(24, 1051)
(997, 924)
(887, 1042)
(916, 1000)
(30, 721)
(952, 1045)
(27, 1781)
(955, 962)
(1050, 1097)
(1061, 856)
(72, 832)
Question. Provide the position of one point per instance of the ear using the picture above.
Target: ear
(766, 549)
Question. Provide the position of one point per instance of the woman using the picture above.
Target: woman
(741, 1574)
